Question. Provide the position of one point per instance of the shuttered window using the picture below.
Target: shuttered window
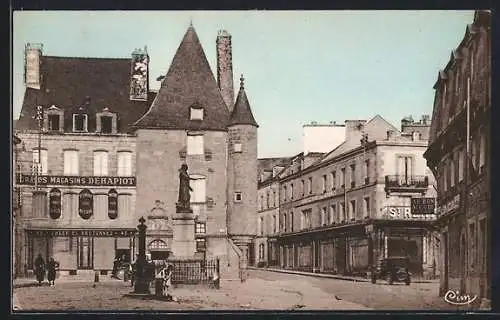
(100, 163)
(70, 162)
(101, 206)
(195, 144)
(124, 205)
(199, 188)
(124, 163)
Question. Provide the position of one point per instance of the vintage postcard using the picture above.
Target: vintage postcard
(251, 160)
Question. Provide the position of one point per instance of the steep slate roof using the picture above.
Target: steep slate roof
(188, 82)
(242, 113)
(93, 83)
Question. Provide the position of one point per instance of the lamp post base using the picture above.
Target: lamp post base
(141, 286)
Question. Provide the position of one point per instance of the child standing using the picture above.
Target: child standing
(167, 283)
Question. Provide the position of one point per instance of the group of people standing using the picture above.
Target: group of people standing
(41, 268)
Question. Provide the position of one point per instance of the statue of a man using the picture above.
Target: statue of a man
(184, 188)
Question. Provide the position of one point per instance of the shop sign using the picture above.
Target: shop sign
(423, 205)
(451, 205)
(55, 203)
(85, 204)
(404, 213)
(112, 204)
(81, 233)
(26, 179)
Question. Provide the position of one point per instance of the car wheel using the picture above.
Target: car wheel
(389, 279)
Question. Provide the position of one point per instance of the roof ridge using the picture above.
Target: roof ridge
(189, 80)
(84, 58)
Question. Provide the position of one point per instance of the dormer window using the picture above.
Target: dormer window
(106, 122)
(54, 122)
(54, 119)
(80, 122)
(196, 112)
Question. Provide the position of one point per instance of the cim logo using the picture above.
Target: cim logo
(455, 298)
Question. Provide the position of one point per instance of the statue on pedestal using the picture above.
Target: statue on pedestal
(184, 189)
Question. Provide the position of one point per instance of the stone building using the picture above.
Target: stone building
(462, 169)
(78, 173)
(110, 153)
(16, 208)
(341, 211)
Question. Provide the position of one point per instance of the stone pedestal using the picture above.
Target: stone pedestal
(183, 227)
(243, 243)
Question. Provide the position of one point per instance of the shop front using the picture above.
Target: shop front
(80, 249)
(341, 249)
(404, 233)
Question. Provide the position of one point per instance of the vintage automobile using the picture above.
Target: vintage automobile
(392, 269)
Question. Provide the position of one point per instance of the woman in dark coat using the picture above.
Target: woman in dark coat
(39, 269)
(52, 266)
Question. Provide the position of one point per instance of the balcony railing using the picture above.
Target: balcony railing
(406, 183)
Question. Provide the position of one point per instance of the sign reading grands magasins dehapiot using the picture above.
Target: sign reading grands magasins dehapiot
(77, 181)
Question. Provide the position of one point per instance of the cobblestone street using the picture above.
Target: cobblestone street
(417, 296)
(264, 290)
(256, 293)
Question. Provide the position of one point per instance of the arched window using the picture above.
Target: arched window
(55, 203)
(85, 204)
(157, 244)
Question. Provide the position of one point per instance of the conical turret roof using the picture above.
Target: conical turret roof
(189, 82)
(242, 113)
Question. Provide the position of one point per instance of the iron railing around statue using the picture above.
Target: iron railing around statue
(192, 271)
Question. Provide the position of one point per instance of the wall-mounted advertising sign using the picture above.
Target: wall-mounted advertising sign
(82, 233)
(112, 204)
(85, 204)
(423, 205)
(55, 203)
(449, 206)
(26, 179)
(404, 213)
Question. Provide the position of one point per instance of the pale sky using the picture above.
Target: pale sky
(299, 66)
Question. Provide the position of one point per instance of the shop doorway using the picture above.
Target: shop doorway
(123, 254)
(251, 254)
(340, 255)
(158, 250)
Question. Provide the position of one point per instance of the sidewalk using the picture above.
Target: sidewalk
(31, 282)
(331, 276)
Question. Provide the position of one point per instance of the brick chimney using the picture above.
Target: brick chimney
(33, 53)
(225, 68)
(354, 129)
(139, 75)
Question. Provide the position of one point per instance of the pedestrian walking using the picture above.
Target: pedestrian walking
(114, 273)
(52, 267)
(40, 269)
